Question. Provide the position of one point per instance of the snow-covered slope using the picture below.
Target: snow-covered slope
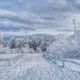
(66, 47)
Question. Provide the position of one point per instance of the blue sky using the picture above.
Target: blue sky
(39, 15)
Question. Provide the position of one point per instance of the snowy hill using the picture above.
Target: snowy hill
(66, 47)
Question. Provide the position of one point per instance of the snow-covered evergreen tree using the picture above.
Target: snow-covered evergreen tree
(11, 43)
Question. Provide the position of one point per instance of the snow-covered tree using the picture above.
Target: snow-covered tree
(11, 43)
(44, 45)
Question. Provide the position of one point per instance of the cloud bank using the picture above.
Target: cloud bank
(38, 14)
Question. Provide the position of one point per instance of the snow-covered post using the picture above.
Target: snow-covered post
(55, 58)
(62, 58)
(74, 23)
(63, 64)
(9, 62)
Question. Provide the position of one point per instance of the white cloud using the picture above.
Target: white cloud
(58, 2)
(77, 1)
(4, 12)
(55, 6)
(11, 23)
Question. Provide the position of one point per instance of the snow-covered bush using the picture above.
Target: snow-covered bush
(44, 45)
(67, 47)
(33, 44)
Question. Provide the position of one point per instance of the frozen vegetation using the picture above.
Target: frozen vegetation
(40, 57)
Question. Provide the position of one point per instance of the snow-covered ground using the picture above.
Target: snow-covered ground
(61, 60)
(35, 67)
(70, 63)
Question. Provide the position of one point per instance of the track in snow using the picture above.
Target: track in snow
(35, 67)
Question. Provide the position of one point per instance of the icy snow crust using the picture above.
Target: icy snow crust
(35, 67)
